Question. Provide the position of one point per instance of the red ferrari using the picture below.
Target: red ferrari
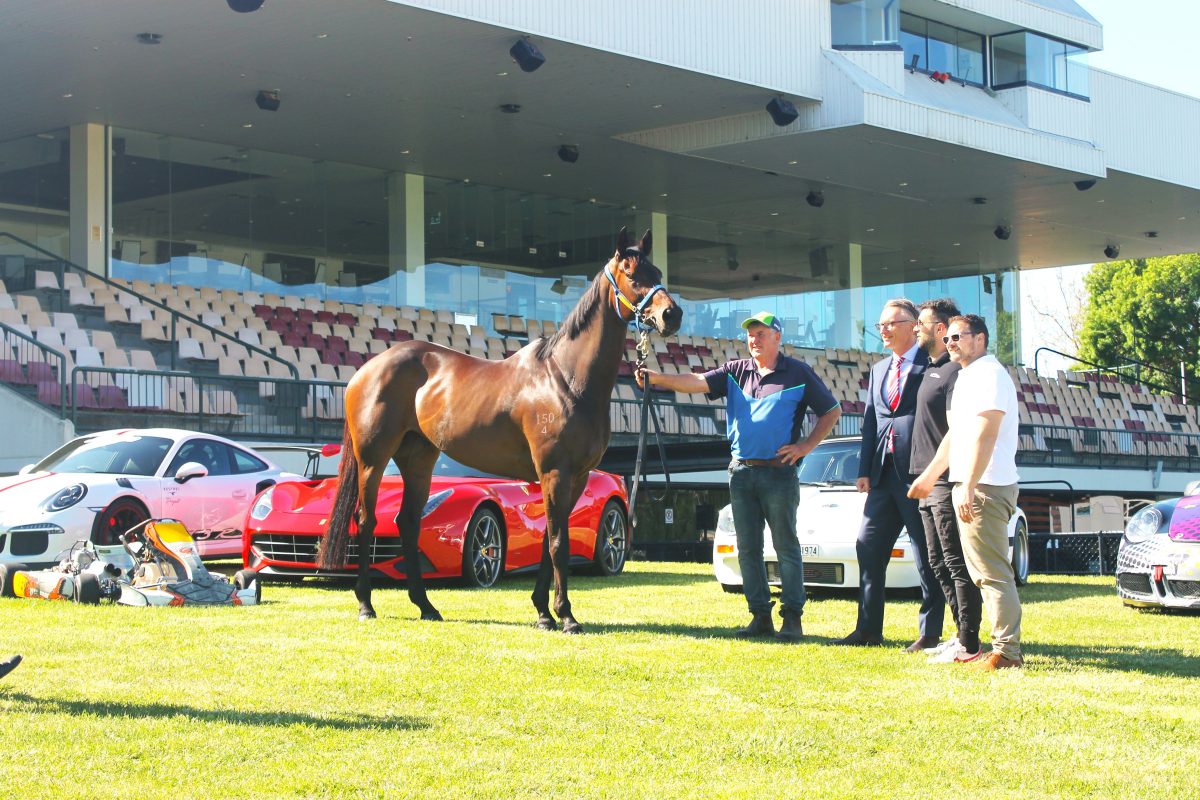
(475, 526)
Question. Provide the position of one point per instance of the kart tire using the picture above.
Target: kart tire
(121, 515)
(483, 550)
(731, 588)
(244, 579)
(7, 571)
(87, 589)
(612, 541)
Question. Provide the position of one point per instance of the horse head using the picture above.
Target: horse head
(639, 284)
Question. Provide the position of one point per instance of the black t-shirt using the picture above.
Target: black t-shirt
(930, 425)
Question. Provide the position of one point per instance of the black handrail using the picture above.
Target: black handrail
(60, 359)
(1185, 383)
(175, 314)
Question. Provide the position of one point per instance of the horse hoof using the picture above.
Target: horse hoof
(546, 624)
(432, 616)
(571, 626)
(366, 616)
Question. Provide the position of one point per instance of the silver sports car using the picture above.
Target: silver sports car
(1158, 564)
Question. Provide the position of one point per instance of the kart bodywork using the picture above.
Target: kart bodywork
(158, 564)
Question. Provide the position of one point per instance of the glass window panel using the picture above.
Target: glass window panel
(912, 39)
(943, 48)
(1041, 56)
(969, 65)
(864, 23)
(35, 189)
(1008, 59)
(1077, 72)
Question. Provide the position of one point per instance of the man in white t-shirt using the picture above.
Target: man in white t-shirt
(981, 450)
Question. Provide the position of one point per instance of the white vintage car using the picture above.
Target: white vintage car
(96, 487)
(827, 524)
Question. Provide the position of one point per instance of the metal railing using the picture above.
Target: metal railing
(19, 273)
(239, 407)
(1132, 372)
(24, 361)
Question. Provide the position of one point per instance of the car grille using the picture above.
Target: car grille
(1186, 589)
(303, 549)
(1134, 582)
(813, 573)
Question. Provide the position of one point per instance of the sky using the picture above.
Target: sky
(1147, 40)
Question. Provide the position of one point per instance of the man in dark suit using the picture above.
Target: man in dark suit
(883, 474)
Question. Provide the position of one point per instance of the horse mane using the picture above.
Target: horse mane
(577, 320)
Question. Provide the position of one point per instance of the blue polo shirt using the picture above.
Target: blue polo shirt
(767, 411)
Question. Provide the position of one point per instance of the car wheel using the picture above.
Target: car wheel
(731, 588)
(7, 571)
(612, 541)
(1020, 555)
(246, 578)
(87, 589)
(483, 550)
(121, 515)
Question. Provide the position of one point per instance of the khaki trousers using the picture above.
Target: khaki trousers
(985, 548)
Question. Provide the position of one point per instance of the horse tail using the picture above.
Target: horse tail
(336, 543)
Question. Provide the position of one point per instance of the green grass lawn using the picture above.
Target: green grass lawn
(297, 698)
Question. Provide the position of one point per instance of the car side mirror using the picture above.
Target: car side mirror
(25, 470)
(192, 469)
(1192, 488)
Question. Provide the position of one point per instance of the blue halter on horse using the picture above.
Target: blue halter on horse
(619, 297)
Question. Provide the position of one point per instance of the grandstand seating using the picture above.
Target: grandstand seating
(103, 327)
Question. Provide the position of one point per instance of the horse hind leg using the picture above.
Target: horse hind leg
(369, 479)
(560, 493)
(415, 460)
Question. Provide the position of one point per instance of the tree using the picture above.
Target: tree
(1148, 310)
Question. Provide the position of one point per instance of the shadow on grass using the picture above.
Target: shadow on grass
(266, 719)
(523, 581)
(1062, 592)
(1156, 661)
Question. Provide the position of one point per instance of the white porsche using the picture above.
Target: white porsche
(827, 524)
(96, 487)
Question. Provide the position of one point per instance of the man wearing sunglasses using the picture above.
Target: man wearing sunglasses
(883, 474)
(937, 510)
(981, 451)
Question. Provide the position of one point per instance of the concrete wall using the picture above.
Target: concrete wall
(30, 431)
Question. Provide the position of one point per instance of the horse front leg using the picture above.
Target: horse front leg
(541, 589)
(560, 494)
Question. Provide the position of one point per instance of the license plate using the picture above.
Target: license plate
(809, 550)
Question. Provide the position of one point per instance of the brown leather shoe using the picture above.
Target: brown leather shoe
(922, 643)
(857, 639)
(994, 661)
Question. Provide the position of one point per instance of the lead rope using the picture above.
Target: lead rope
(643, 351)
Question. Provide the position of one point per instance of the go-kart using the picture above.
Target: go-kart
(156, 564)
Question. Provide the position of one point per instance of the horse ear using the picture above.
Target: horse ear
(622, 240)
(646, 244)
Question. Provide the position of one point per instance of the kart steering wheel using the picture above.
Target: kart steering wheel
(134, 536)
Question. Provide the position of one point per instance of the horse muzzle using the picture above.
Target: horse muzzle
(666, 317)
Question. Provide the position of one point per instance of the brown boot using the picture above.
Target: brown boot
(760, 625)
(791, 630)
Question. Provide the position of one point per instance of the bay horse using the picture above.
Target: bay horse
(539, 415)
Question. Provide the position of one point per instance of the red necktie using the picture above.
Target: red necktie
(894, 385)
(894, 400)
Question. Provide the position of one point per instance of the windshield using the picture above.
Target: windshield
(124, 454)
(833, 463)
(447, 467)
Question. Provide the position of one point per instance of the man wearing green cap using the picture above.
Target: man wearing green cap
(768, 395)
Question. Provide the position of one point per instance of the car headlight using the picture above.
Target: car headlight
(725, 520)
(262, 506)
(434, 501)
(66, 497)
(1143, 525)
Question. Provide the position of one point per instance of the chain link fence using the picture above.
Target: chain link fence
(1088, 553)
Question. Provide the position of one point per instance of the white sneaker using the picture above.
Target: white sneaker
(943, 647)
(949, 655)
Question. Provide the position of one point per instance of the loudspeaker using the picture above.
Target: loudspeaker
(527, 56)
(782, 111)
(818, 262)
(245, 6)
(569, 153)
(267, 99)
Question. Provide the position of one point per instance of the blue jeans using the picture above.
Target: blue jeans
(767, 495)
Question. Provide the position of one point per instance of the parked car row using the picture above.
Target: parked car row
(234, 501)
